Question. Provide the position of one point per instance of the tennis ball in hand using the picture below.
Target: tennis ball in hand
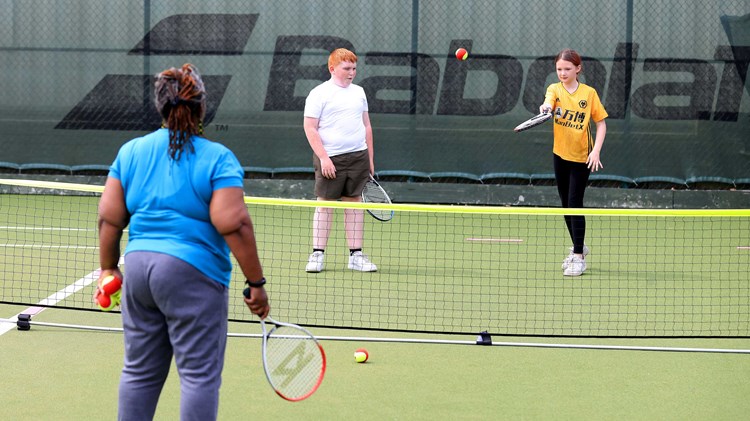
(111, 284)
(107, 302)
(361, 355)
(107, 295)
(462, 54)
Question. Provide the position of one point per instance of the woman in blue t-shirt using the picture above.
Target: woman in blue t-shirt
(181, 196)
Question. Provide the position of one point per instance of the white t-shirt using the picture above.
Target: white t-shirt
(339, 113)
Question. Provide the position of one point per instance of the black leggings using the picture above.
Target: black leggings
(572, 178)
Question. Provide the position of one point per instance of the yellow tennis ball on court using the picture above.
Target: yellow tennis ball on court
(361, 355)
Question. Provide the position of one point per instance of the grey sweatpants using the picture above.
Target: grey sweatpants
(170, 308)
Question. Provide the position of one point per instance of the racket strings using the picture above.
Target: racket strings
(294, 362)
(533, 122)
(375, 194)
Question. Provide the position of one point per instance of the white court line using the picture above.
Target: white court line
(37, 246)
(57, 297)
(41, 246)
(496, 240)
(53, 299)
(45, 228)
(743, 247)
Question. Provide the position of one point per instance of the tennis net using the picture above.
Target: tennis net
(441, 269)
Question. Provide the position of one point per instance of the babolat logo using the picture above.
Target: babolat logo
(426, 97)
(124, 102)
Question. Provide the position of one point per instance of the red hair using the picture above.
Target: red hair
(341, 54)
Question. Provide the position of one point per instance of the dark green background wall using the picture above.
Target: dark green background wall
(75, 78)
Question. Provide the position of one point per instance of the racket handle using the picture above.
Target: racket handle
(259, 284)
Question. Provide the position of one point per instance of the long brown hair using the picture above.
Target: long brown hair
(571, 56)
(180, 98)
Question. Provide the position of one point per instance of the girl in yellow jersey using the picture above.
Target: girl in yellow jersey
(576, 151)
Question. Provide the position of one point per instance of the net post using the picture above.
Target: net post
(484, 338)
(23, 322)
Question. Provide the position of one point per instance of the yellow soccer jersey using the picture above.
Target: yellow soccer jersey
(573, 114)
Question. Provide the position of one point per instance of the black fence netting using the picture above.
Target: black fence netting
(76, 81)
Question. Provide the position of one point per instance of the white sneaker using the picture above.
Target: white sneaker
(566, 262)
(576, 266)
(359, 261)
(315, 262)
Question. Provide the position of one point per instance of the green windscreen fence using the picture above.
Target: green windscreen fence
(76, 81)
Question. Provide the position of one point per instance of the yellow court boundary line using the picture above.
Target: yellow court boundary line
(405, 207)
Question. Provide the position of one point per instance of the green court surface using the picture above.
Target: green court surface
(649, 274)
(445, 272)
(62, 374)
(445, 269)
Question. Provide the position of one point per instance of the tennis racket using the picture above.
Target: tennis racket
(293, 360)
(533, 122)
(374, 193)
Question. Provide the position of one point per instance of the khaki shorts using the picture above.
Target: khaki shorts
(352, 172)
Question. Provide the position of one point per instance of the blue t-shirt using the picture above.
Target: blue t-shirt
(169, 200)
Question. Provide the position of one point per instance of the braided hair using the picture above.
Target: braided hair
(180, 98)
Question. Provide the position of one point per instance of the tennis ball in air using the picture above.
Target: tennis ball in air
(361, 355)
(462, 54)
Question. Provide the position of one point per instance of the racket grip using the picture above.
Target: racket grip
(259, 284)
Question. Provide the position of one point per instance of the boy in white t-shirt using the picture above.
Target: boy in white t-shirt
(337, 126)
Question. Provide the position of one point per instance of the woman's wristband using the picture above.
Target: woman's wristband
(256, 284)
